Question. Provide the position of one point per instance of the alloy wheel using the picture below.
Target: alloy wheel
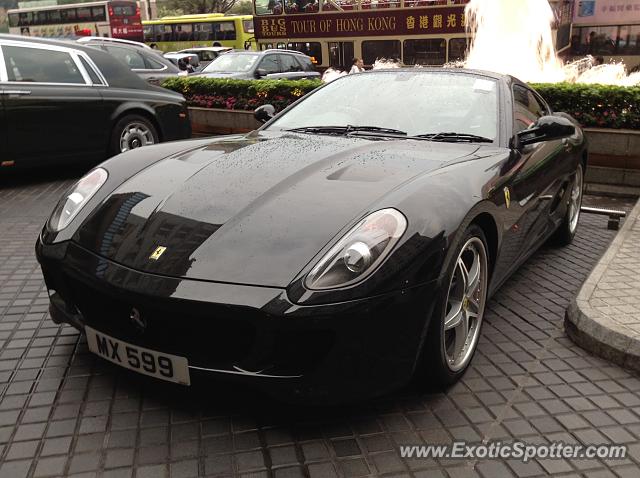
(465, 304)
(575, 201)
(135, 135)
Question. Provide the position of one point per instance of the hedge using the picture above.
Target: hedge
(601, 106)
(240, 94)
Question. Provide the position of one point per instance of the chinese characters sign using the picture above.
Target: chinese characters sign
(370, 23)
(594, 12)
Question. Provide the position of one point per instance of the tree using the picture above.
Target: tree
(198, 6)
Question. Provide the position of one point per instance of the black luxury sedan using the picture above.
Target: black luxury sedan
(343, 248)
(62, 101)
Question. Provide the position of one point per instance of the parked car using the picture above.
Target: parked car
(147, 63)
(178, 58)
(267, 64)
(345, 247)
(64, 101)
(207, 54)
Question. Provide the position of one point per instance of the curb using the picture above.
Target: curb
(595, 331)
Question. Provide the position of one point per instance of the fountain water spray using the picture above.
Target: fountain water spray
(515, 37)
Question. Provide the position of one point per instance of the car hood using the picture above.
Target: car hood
(255, 209)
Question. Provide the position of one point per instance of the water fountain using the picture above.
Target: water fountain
(515, 37)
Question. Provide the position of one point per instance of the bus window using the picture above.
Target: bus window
(84, 14)
(184, 32)
(458, 49)
(224, 31)
(431, 51)
(55, 17)
(68, 15)
(26, 19)
(337, 5)
(373, 50)
(148, 32)
(268, 7)
(247, 26)
(202, 31)
(124, 10)
(14, 20)
(341, 54)
(301, 6)
(165, 33)
(312, 49)
(98, 14)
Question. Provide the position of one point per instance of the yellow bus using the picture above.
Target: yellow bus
(208, 29)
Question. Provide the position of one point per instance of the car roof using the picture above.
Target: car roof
(206, 48)
(461, 71)
(114, 41)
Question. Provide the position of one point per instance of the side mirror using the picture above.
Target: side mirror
(264, 113)
(546, 128)
(260, 72)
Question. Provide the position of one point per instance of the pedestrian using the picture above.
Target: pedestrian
(357, 66)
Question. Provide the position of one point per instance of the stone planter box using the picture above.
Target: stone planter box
(614, 148)
(210, 121)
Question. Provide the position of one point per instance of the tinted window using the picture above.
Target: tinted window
(373, 50)
(270, 64)
(124, 10)
(149, 35)
(289, 63)
(129, 57)
(14, 20)
(312, 49)
(98, 14)
(202, 31)
(232, 63)
(183, 32)
(247, 26)
(95, 79)
(38, 65)
(527, 108)
(224, 31)
(425, 52)
(54, 16)
(68, 15)
(84, 14)
(152, 63)
(457, 49)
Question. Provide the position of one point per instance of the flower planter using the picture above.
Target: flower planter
(209, 121)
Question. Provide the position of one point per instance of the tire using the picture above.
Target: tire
(567, 230)
(131, 132)
(445, 357)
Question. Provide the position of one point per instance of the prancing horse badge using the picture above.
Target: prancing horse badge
(507, 196)
(155, 255)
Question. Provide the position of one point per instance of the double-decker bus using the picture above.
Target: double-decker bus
(412, 32)
(208, 29)
(333, 32)
(117, 19)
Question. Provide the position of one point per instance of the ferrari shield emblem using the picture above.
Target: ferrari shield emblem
(155, 255)
(507, 197)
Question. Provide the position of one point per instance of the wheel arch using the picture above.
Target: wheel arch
(137, 109)
(487, 223)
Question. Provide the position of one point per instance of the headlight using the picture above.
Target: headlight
(359, 252)
(71, 204)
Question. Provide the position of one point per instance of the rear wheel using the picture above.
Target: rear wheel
(567, 229)
(131, 132)
(455, 328)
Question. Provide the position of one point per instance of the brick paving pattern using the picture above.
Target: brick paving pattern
(64, 412)
(617, 294)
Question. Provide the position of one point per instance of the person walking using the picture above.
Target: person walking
(357, 66)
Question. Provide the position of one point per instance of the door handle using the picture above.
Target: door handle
(15, 92)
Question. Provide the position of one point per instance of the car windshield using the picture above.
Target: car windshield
(230, 63)
(411, 102)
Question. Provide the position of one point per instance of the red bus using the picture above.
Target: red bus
(117, 19)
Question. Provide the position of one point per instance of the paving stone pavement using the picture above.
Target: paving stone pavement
(64, 412)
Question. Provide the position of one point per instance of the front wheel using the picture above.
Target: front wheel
(131, 132)
(567, 230)
(455, 327)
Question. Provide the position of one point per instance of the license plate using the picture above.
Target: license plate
(171, 368)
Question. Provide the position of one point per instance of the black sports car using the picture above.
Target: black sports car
(341, 249)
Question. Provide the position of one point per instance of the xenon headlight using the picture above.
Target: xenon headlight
(75, 199)
(359, 252)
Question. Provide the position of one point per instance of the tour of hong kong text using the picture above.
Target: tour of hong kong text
(518, 450)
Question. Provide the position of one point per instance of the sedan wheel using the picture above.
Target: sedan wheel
(567, 230)
(132, 132)
(465, 305)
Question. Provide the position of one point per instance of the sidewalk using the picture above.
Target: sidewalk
(604, 318)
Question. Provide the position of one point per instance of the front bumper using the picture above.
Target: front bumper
(325, 353)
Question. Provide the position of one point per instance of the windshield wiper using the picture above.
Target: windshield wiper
(348, 129)
(455, 137)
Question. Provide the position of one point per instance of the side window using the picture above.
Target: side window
(270, 64)
(95, 79)
(40, 65)
(527, 109)
(289, 63)
(152, 64)
(130, 58)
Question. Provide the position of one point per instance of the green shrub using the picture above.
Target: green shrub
(596, 106)
(601, 106)
(240, 94)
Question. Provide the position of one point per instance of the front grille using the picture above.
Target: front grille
(209, 335)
